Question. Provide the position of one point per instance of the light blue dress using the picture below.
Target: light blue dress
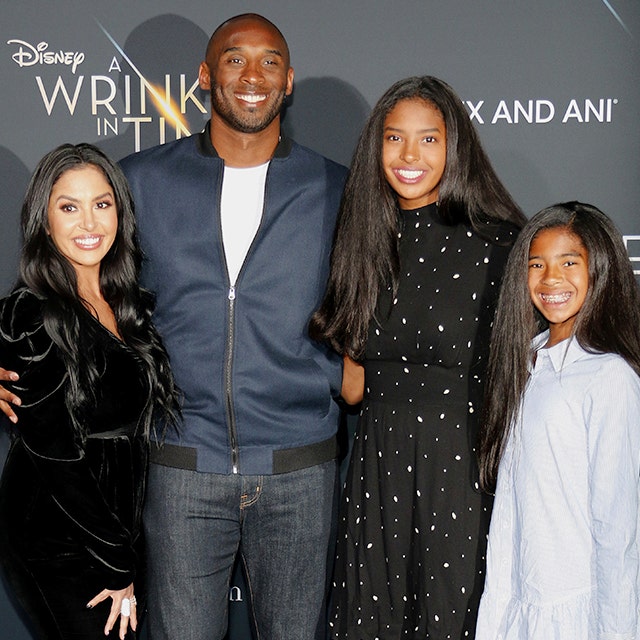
(563, 544)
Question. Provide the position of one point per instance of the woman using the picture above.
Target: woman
(95, 380)
(421, 242)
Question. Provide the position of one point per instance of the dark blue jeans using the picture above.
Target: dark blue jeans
(196, 523)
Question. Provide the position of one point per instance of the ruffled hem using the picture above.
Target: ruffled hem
(504, 617)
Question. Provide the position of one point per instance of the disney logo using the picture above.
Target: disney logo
(27, 55)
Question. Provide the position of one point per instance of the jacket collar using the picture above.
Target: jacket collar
(207, 149)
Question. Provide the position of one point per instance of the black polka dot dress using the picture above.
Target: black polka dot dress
(413, 524)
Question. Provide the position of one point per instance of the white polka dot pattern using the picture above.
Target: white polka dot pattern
(412, 533)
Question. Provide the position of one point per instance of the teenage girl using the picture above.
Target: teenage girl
(562, 435)
(421, 244)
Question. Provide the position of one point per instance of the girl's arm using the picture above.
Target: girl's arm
(613, 436)
(352, 381)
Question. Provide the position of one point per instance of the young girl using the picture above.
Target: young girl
(562, 435)
(421, 243)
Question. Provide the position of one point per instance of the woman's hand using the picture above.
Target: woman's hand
(128, 614)
(6, 397)
(352, 381)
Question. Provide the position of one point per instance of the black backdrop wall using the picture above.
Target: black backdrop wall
(552, 86)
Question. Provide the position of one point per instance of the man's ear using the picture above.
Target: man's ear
(289, 89)
(204, 76)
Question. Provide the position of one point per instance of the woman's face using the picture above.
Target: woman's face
(414, 152)
(83, 219)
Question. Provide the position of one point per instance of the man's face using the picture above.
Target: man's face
(248, 75)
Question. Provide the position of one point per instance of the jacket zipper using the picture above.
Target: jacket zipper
(231, 297)
(233, 441)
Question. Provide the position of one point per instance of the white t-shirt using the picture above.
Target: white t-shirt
(241, 211)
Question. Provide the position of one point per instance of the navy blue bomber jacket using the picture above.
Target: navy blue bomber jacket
(257, 390)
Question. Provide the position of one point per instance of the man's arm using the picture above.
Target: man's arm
(6, 397)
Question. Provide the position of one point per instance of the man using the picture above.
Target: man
(236, 224)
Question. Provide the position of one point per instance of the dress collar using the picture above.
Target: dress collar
(560, 355)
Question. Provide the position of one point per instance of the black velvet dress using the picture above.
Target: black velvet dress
(70, 507)
(413, 523)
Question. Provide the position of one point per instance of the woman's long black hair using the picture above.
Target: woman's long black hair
(608, 322)
(45, 271)
(365, 251)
